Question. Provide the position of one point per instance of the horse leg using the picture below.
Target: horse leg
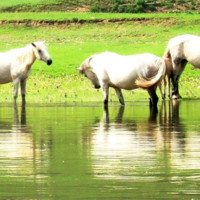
(105, 89)
(23, 91)
(15, 89)
(165, 83)
(175, 90)
(161, 92)
(153, 97)
(169, 83)
(120, 96)
(179, 66)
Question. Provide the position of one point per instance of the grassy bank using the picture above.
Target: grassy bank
(70, 44)
(76, 89)
(59, 16)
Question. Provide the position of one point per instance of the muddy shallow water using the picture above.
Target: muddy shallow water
(83, 151)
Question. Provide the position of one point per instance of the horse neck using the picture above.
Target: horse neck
(29, 56)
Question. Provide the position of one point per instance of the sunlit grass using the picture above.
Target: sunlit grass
(21, 2)
(69, 88)
(91, 16)
(76, 88)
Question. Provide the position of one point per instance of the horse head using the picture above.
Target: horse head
(87, 70)
(41, 52)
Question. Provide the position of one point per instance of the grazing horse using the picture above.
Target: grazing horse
(15, 65)
(124, 72)
(181, 50)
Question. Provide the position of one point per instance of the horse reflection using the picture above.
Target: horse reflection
(168, 120)
(121, 143)
(130, 124)
(16, 144)
(16, 116)
(117, 144)
(171, 123)
(106, 120)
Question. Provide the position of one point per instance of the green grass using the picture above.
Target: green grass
(89, 16)
(21, 2)
(70, 44)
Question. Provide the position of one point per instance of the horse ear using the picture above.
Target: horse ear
(80, 69)
(33, 44)
(90, 58)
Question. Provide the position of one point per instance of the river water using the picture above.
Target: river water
(84, 151)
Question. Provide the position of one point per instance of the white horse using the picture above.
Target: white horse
(124, 72)
(15, 65)
(180, 50)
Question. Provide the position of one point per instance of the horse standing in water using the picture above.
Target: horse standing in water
(181, 50)
(124, 72)
(15, 65)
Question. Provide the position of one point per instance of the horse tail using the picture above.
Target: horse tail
(167, 52)
(152, 82)
(168, 60)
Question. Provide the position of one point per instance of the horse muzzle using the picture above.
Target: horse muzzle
(97, 86)
(49, 62)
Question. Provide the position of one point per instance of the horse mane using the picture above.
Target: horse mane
(27, 56)
(147, 83)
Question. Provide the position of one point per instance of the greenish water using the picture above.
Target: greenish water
(84, 151)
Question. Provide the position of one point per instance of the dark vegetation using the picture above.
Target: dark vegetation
(113, 6)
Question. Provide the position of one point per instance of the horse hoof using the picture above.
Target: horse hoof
(176, 97)
(105, 102)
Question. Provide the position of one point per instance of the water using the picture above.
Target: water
(77, 151)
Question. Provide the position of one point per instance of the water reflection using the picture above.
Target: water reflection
(169, 119)
(125, 146)
(53, 151)
(17, 124)
(16, 144)
(23, 161)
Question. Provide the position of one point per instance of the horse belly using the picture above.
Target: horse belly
(194, 62)
(192, 52)
(5, 76)
(125, 82)
(127, 85)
